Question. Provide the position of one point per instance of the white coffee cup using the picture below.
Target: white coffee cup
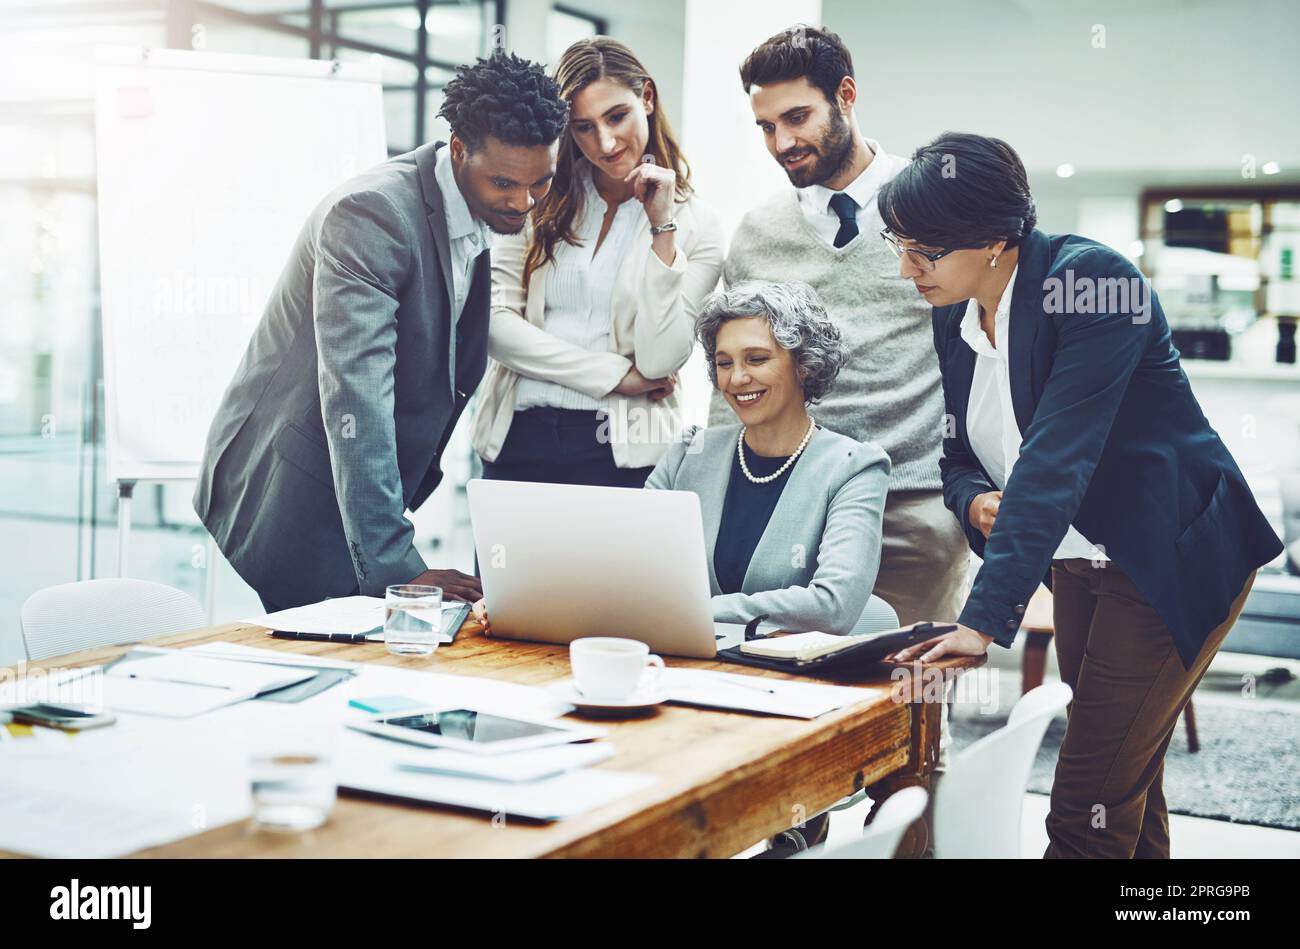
(611, 669)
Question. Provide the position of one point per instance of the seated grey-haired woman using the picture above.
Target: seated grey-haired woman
(792, 511)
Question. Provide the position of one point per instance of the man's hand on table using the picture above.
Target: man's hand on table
(455, 585)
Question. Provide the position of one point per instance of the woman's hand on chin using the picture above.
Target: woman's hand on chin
(963, 641)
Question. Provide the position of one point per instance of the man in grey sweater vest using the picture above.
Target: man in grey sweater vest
(825, 232)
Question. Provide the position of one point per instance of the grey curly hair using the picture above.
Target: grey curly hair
(798, 321)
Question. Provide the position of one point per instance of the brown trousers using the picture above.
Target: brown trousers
(1129, 691)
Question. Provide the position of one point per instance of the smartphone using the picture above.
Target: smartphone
(66, 717)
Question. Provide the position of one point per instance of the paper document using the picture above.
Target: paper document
(185, 668)
(165, 699)
(240, 653)
(434, 689)
(344, 614)
(800, 646)
(517, 766)
(367, 765)
(347, 614)
(749, 693)
(179, 684)
(109, 794)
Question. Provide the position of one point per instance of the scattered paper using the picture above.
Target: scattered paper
(433, 689)
(749, 693)
(344, 614)
(186, 668)
(348, 614)
(528, 765)
(367, 765)
(113, 794)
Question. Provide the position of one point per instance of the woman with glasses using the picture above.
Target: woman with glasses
(593, 302)
(1075, 455)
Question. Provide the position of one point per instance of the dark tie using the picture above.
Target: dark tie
(846, 209)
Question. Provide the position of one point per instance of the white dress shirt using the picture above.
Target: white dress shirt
(991, 424)
(815, 200)
(469, 236)
(580, 293)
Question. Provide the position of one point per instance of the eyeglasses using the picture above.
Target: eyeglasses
(918, 257)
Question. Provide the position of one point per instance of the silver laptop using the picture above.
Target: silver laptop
(559, 562)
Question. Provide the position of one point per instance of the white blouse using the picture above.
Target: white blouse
(991, 424)
(580, 292)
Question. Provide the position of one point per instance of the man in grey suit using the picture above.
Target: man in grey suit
(372, 343)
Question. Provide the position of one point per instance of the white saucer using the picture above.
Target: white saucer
(568, 691)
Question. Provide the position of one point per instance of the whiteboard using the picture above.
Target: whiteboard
(208, 166)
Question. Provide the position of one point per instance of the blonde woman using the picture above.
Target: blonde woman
(593, 304)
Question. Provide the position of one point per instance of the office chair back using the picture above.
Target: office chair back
(876, 617)
(880, 839)
(979, 799)
(72, 616)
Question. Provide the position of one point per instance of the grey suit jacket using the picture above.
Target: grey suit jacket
(346, 396)
(816, 562)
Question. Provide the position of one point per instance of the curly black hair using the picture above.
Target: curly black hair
(506, 97)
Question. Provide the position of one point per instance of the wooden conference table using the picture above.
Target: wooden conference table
(726, 780)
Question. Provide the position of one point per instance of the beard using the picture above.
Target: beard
(833, 151)
(505, 227)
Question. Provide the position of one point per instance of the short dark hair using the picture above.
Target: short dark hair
(506, 97)
(800, 51)
(961, 190)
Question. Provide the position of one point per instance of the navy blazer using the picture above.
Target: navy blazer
(1115, 443)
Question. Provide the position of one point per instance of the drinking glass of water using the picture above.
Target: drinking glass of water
(412, 619)
(293, 776)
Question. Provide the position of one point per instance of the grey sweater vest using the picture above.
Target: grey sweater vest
(889, 391)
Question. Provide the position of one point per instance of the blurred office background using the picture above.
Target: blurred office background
(1165, 129)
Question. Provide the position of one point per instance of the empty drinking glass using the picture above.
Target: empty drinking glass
(412, 619)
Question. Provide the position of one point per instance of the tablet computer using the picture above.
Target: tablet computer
(475, 731)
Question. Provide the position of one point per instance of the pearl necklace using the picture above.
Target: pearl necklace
(740, 452)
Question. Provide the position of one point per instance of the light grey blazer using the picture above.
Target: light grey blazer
(816, 562)
(336, 419)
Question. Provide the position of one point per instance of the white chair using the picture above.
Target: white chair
(880, 839)
(71, 616)
(877, 616)
(979, 799)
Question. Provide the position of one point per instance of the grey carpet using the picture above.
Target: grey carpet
(1245, 771)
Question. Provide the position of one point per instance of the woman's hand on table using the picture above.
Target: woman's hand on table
(963, 641)
(479, 609)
